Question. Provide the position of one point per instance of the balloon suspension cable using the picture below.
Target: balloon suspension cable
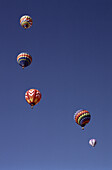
(82, 128)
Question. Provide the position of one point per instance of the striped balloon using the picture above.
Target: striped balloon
(82, 117)
(33, 97)
(92, 142)
(26, 21)
(24, 59)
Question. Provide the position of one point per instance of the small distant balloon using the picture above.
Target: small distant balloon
(24, 59)
(33, 97)
(82, 117)
(26, 21)
(92, 142)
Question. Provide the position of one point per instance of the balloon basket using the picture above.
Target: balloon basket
(31, 106)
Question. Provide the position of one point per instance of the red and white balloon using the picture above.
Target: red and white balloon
(33, 97)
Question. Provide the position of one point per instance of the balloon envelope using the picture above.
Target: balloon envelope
(82, 117)
(92, 142)
(24, 59)
(33, 96)
(26, 21)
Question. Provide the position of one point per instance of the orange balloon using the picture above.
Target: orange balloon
(33, 97)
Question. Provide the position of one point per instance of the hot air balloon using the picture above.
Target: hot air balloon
(24, 59)
(33, 97)
(92, 142)
(26, 21)
(82, 117)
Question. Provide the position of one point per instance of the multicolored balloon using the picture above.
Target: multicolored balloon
(26, 21)
(82, 117)
(24, 59)
(92, 142)
(33, 97)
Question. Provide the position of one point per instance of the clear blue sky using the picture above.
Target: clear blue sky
(71, 46)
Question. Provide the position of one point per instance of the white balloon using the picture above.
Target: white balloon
(92, 142)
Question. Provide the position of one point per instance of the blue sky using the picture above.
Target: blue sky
(71, 46)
